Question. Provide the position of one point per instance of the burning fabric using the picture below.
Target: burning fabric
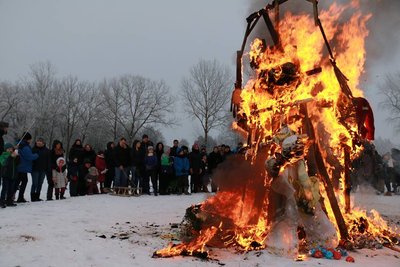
(305, 121)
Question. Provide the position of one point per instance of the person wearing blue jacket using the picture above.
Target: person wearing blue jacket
(181, 167)
(24, 167)
(151, 164)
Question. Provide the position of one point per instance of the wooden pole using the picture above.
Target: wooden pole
(347, 181)
(319, 163)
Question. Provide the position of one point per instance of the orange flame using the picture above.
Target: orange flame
(267, 109)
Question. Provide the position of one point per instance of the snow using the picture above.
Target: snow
(67, 233)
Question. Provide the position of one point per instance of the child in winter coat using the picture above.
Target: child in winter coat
(60, 178)
(8, 162)
(73, 169)
(102, 169)
(181, 166)
(91, 181)
(151, 165)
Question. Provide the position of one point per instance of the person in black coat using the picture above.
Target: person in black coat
(195, 169)
(138, 167)
(214, 158)
(3, 131)
(83, 171)
(73, 175)
(89, 154)
(174, 148)
(110, 163)
(76, 151)
(122, 158)
(40, 167)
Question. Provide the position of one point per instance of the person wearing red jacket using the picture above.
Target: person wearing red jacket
(102, 169)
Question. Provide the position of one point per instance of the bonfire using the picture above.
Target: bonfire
(305, 120)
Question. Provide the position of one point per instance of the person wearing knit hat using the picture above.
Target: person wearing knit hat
(25, 165)
(26, 136)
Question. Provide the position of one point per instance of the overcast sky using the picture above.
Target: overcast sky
(159, 39)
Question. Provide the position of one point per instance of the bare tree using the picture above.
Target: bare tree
(9, 98)
(43, 98)
(92, 110)
(114, 104)
(74, 95)
(391, 102)
(206, 93)
(135, 102)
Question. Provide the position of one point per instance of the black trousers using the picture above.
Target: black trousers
(50, 187)
(20, 184)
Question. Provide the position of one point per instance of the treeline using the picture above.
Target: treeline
(66, 108)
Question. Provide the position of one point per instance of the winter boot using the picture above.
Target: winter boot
(62, 194)
(38, 197)
(21, 200)
(3, 204)
(33, 197)
(186, 192)
(10, 203)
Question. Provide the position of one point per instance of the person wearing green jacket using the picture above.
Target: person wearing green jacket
(8, 162)
(166, 171)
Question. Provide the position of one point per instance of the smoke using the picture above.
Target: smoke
(384, 33)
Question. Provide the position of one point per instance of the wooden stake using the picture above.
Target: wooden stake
(319, 163)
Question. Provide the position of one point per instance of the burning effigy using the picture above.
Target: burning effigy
(305, 120)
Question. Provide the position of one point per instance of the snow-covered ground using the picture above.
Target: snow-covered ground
(106, 230)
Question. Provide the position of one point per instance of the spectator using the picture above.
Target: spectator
(203, 151)
(8, 162)
(138, 168)
(57, 151)
(91, 181)
(73, 172)
(238, 148)
(159, 153)
(151, 164)
(110, 164)
(145, 144)
(41, 166)
(181, 166)
(76, 151)
(83, 171)
(195, 169)
(60, 179)
(102, 169)
(165, 172)
(89, 153)
(122, 157)
(173, 184)
(214, 159)
(3, 131)
(174, 148)
(25, 165)
(204, 177)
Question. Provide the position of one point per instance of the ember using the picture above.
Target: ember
(305, 121)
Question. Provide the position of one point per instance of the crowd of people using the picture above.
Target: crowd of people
(143, 166)
(379, 171)
(148, 168)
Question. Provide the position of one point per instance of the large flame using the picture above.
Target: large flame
(267, 109)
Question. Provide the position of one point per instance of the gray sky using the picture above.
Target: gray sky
(159, 39)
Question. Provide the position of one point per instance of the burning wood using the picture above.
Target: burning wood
(304, 120)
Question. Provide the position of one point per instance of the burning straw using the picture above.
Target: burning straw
(305, 119)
